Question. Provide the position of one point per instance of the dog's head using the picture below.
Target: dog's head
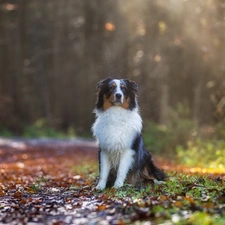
(116, 92)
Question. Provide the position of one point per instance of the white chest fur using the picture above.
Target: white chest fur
(116, 128)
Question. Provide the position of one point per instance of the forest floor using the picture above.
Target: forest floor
(52, 182)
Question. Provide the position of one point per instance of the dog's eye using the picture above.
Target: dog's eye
(123, 86)
(111, 87)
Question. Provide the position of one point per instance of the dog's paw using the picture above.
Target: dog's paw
(118, 184)
(101, 186)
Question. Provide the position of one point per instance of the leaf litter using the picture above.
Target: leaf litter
(52, 182)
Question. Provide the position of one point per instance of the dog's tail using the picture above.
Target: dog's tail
(151, 170)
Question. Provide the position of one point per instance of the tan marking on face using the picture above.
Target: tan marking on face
(107, 103)
(126, 103)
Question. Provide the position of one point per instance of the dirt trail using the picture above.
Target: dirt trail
(51, 182)
(40, 181)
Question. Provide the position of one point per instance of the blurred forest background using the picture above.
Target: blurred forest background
(53, 52)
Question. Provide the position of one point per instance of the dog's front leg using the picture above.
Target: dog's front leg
(104, 170)
(124, 166)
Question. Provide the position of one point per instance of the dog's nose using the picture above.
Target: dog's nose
(118, 95)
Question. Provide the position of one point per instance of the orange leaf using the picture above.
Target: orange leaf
(178, 204)
(101, 207)
(17, 194)
(1, 193)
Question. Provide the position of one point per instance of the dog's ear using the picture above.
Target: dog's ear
(132, 84)
(102, 82)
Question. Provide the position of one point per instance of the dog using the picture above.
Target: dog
(117, 128)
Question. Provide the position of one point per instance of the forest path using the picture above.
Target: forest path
(48, 181)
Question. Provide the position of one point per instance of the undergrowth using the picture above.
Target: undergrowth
(41, 128)
(163, 139)
(209, 154)
(182, 140)
(182, 200)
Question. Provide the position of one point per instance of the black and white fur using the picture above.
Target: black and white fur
(117, 128)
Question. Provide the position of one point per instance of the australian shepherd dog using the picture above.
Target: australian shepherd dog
(117, 128)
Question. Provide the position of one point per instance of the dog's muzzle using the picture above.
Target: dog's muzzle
(118, 98)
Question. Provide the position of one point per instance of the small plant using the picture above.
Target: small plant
(36, 186)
